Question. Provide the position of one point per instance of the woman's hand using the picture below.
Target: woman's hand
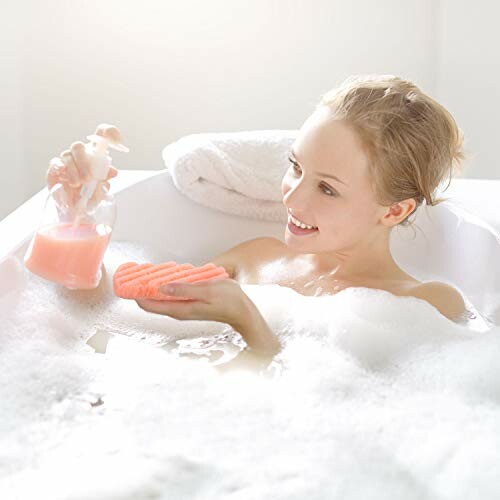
(220, 300)
(72, 169)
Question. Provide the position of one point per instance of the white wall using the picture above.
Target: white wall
(15, 185)
(468, 77)
(163, 69)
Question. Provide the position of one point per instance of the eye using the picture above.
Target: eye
(325, 189)
(329, 192)
(295, 166)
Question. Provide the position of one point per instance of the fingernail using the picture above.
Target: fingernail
(167, 289)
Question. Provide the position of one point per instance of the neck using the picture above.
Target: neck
(370, 259)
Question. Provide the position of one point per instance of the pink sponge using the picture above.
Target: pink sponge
(139, 281)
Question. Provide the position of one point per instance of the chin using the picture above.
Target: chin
(293, 240)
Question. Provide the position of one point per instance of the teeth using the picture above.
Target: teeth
(301, 224)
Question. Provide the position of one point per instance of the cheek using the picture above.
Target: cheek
(345, 220)
(356, 221)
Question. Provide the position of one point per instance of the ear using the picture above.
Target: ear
(399, 211)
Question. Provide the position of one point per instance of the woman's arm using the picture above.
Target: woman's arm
(220, 300)
(252, 326)
(262, 343)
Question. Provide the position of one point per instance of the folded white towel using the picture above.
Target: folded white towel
(234, 172)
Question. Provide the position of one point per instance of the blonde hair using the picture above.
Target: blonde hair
(412, 141)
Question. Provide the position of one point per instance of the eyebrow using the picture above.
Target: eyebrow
(319, 173)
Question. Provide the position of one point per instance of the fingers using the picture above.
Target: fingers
(59, 172)
(56, 172)
(112, 172)
(73, 167)
(72, 171)
(81, 160)
(67, 196)
(182, 310)
(200, 291)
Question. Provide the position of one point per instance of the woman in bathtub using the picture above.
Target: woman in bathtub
(372, 151)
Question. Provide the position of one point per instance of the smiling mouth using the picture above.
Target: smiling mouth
(299, 223)
(298, 231)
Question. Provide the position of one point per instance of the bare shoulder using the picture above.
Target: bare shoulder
(244, 254)
(444, 297)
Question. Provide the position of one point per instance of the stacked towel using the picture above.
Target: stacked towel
(235, 172)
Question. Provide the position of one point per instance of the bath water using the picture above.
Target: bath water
(378, 396)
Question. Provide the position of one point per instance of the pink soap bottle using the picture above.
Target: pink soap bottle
(69, 245)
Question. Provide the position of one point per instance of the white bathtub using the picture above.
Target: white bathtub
(458, 243)
(408, 409)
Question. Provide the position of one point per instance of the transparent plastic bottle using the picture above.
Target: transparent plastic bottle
(69, 245)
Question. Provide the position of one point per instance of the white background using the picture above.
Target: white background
(160, 70)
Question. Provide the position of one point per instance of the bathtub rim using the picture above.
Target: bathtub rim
(19, 226)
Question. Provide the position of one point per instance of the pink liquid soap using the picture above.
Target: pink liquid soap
(69, 256)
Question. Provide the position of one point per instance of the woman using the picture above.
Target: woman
(372, 151)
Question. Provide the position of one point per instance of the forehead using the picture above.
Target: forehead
(325, 144)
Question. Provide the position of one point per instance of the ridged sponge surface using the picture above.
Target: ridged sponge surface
(135, 281)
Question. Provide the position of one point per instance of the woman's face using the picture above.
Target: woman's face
(344, 210)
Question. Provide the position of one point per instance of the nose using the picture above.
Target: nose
(295, 196)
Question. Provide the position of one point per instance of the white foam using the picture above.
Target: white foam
(373, 396)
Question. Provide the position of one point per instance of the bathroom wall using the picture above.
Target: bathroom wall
(162, 69)
(15, 180)
(467, 77)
